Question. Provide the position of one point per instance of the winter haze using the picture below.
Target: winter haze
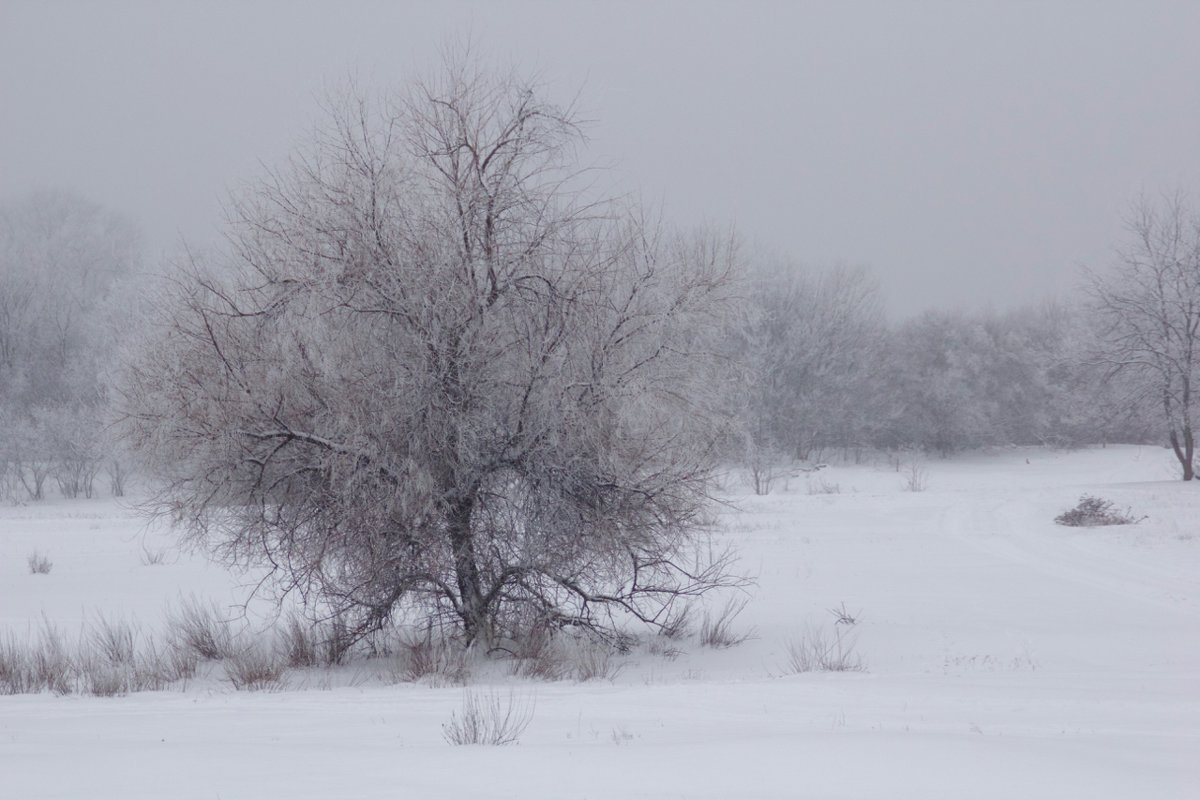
(793, 457)
(970, 154)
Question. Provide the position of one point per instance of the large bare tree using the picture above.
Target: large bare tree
(1150, 302)
(432, 374)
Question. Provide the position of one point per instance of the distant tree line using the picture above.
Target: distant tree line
(65, 263)
(825, 375)
(813, 368)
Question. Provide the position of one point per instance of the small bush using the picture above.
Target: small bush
(538, 654)
(255, 668)
(916, 478)
(596, 662)
(53, 667)
(486, 718)
(115, 660)
(425, 655)
(201, 629)
(820, 651)
(323, 643)
(16, 668)
(153, 556)
(764, 468)
(1094, 512)
(717, 630)
(39, 564)
(37, 665)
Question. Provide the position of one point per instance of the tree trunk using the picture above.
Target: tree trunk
(1185, 451)
(1189, 452)
(477, 623)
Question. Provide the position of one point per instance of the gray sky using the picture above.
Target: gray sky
(970, 153)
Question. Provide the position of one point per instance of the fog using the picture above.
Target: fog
(969, 154)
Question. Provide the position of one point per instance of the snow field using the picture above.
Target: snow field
(1005, 657)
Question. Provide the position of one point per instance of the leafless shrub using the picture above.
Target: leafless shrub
(39, 564)
(1092, 512)
(487, 718)
(255, 667)
(663, 647)
(118, 476)
(53, 668)
(200, 628)
(35, 665)
(676, 623)
(916, 477)
(766, 467)
(539, 654)
(299, 644)
(431, 655)
(717, 629)
(152, 556)
(596, 661)
(178, 662)
(109, 659)
(114, 660)
(75, 469)
(106, 679)
(315, 643)
(16, 667)
(817, 650)
(114, 641)
(30, 474)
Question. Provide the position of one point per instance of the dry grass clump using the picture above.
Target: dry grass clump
(255, 667)
(426, 655)
(319, 643)
(201, 629)
(555, 656)
(109, 659)
(39, 564)
(487, 718)
(819, 650)
(112, 658)
(718, 628)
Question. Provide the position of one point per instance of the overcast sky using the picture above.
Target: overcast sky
(970, 153)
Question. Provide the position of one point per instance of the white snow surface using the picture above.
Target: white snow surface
(1006, 657)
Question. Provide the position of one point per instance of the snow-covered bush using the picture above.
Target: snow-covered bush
(1093, 512)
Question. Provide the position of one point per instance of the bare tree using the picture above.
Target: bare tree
(1150, 302)
(434, 376)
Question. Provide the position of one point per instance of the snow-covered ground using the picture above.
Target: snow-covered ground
(1006, 657)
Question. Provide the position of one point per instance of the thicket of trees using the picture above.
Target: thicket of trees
(823, 375)
(63, 263)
